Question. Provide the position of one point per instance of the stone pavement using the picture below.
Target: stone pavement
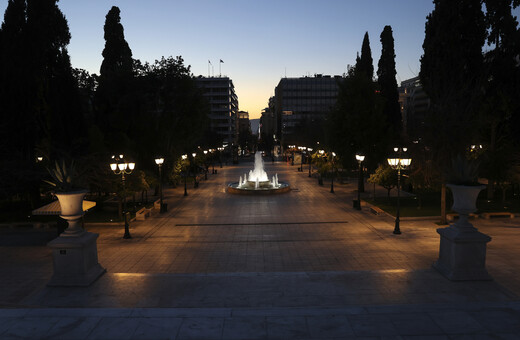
(303, 265)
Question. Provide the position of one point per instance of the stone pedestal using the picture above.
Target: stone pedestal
(462, 255)
(75, 260)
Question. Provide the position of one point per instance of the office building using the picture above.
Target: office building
(302, 105)
(223, 101)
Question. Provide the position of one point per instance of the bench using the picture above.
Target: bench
(157, 204)
(452, 216)
(488, 215)
(376, 210)
(142, 213)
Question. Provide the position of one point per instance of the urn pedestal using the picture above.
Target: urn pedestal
(462, 252)
(74, 252)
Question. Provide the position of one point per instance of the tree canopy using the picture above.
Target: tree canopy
(386, 79)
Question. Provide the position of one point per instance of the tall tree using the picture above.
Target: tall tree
(357, 123)
(115, 85)
(364, 64)
(451, 75)
(386, 78)
(38, 90)
(501, 104)
(57, 101)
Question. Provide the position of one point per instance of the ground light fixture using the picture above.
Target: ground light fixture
(360, 158)
(120, 167)
(399, 163)
(159, 161)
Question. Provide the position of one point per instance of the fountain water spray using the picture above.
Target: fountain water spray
(258, 181)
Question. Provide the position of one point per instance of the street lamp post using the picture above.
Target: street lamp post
(360, 159)
(212, 151)
(320, 179)
(309, 150)
(333, 154)
(398, 164)
(120, 167)
(159, 162)
(195, 183)
(205, 165)
(184, 157)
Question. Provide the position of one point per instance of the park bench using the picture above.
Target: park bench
(142, 213)
(376, 210)
(157, 204)
(452, 216)
(488, 215)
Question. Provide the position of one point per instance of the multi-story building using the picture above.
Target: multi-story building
(244, 131)
(220, 93)
(414, 106)
(302, 105)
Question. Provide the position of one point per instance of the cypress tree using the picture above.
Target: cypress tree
(115, 84)
(501, 104)
(13, 65)
(117, 56)
(386, 74)
(55, 94)
(364, 64)
(40, 115)
(451, 75)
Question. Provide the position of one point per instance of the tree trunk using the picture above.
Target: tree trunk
(443, 204)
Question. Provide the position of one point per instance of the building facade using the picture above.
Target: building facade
(302, 105)
(414, 105)
(223, 101)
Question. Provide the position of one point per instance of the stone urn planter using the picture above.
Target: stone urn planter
(74, 252)
(72, 211)
(462, 253)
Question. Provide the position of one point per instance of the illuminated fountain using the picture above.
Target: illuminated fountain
(257, 181)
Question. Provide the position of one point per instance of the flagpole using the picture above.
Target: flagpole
(209, 63)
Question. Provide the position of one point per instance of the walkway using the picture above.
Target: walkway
(299, 265)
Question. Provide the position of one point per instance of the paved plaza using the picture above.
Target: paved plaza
(300, 265)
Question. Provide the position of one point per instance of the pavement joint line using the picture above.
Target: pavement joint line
(186, 312)
(252, 224)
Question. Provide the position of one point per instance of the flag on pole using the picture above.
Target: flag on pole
(209, 62)
(221, 61)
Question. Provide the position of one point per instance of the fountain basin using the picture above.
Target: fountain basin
(265, 189)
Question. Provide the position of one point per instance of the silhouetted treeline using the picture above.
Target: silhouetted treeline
(50, 110)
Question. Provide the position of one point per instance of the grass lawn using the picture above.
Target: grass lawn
(428, 204)
(20, 212)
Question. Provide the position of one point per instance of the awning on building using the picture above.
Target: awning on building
(54, 208)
